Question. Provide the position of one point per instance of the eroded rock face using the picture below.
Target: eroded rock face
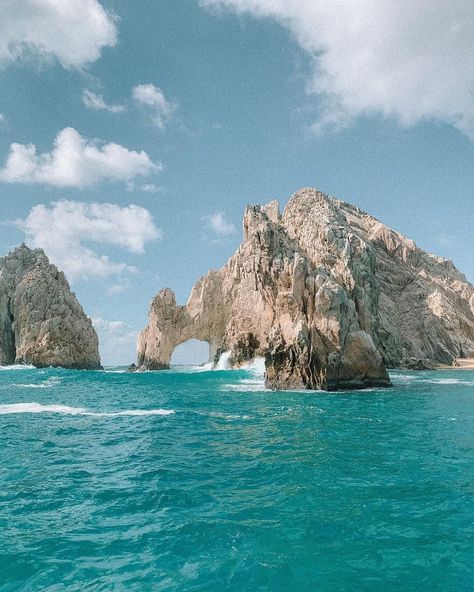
(328, 294)
(41, 320)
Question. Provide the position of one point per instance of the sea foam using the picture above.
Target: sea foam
(224, 361)
(48, 383)
(256, 366)
(256, 370)
(18, 367)
(66, 410)
(246, 385)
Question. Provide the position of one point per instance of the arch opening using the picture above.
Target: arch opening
(192, 352)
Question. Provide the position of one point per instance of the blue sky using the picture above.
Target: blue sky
(189, 110)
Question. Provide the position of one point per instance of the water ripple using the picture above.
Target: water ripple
(241, 489)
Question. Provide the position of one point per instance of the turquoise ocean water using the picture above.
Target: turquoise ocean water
(191, 480)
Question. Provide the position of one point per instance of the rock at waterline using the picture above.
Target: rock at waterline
(41, 320)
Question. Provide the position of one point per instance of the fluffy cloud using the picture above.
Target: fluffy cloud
(150, 188)
(75, 162)
(64, 228)
(410, 60)
(145, 187)
(153, 97)
(218, 223)
(118, 341)
(97, 103)
(72, 31)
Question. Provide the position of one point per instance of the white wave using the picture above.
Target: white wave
(18, 367)
(222, 364)
(134, 412)
(403, 377)
(256, 366)
(224, 361)
(207, 367)
(42, 385)
(448, 381)
(246, 384)
(65, 410)
(49, 383)
(228, 416)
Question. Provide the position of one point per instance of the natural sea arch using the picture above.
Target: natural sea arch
(192, 352)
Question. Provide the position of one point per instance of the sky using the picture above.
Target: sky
(132, 135)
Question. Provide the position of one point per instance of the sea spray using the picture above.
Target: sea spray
(224, 361)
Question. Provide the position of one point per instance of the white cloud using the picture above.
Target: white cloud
(97, 103)
(116, 289)
(150, 188)
(145, 187)
(153, 97)
(410, 60)
(220, 225)
(118, 341)
(75, 162)
(64, 228)
(72, 31)
(2, 118)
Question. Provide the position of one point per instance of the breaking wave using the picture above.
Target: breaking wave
(66, 410)
(18, 367)
(222, 364)
(224, 361)
(246, 386)
(417, 378)
(256, 366)
(49, 383)
(448, 381)
(207, 367)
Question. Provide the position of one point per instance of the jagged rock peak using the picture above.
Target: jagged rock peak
(327, 293)
(41, 320)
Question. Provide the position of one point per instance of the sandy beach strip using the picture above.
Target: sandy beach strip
(464, 364)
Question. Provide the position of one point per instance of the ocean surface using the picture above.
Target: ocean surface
(195, 480)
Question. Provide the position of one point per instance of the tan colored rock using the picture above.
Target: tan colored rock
(41, 320)
(328, 294)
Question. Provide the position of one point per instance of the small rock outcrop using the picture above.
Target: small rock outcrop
(41, 320)
(328, 294)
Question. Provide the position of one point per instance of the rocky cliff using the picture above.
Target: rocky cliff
(328, 294)
(41, 320)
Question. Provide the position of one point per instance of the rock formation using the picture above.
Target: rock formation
(41, 320)
(328, 294)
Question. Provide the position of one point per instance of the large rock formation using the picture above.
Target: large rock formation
(41, 320)
(328, 294)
